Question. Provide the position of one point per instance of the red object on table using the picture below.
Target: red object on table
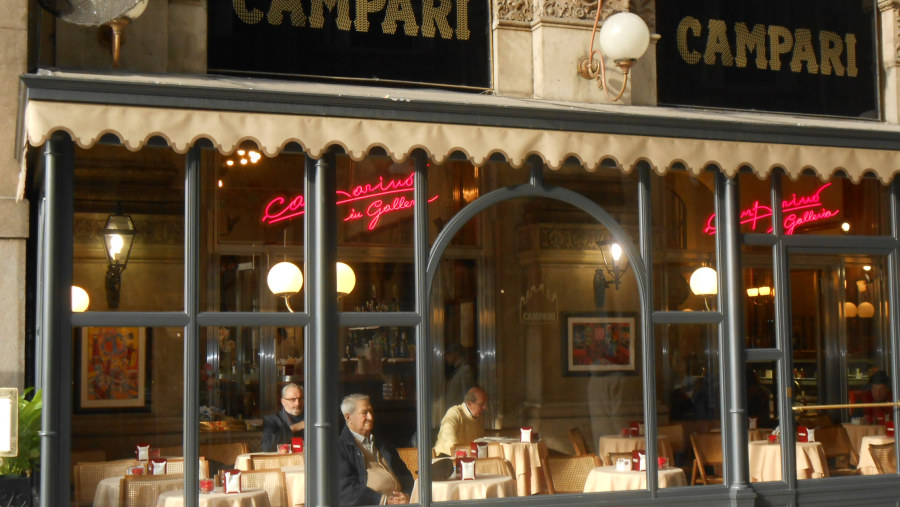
(889, 428)
(773, 438)
(638, 457)
(802, 434)
(207, 485)
(297, 445)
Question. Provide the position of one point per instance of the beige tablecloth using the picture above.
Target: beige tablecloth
(866, 462)
(765, 461)
(248, 498)
(608, 479)
(107, 493)
(485, 486)
(856, 432)
(617, 443)
(526, 461)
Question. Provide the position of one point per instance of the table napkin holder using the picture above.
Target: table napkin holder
(526, 434)
(481, 449)
(297, 445)
(889, 428)
(802, 434)
(638, 460)
(468, 469)
(232, 481)
(142, 451)
(752, 423)
(157, 466)
(623, 464)
(636, 428)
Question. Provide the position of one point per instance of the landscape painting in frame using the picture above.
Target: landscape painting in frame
(598, 343)
(113, 373)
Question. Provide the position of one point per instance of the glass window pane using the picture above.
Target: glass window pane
(454, 184)
(689, 412)
(254, 207)
(755, 203)
(377, 386)
(682, 208)
(127, 408)
(759, 297)
(834, 207)
(129, 228)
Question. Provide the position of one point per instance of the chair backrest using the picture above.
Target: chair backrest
(578, 441)
(884, 456)
(569, 473)
(176, 466)
(225, 453)
(410, 457)
(88, 474)
(269, 461)
(836, 444)
(611, 457)
(675, 434)
(494, 466)
(707, 452)
(144, 490)
(271, 480)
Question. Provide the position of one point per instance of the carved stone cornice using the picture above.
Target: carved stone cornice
(584, 10)
(514, 10)
(884, 5)
(646, 9)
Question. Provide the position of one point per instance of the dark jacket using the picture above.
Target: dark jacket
(277, 430)
(352, 471)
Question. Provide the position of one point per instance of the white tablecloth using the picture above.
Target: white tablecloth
(856, 432)
(107, 493)
(765, 461)
(485, 486)
(618, 443)
(248, 498)
(608, 479)
(866, 462)
(526, 461)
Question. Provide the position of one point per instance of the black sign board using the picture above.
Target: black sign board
(798, 56)
(422, 41)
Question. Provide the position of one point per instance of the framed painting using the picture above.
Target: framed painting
(113, 370)
(597, 342)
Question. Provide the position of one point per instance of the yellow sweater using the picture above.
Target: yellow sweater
(458, 427)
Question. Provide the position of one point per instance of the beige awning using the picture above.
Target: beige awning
(182, 127)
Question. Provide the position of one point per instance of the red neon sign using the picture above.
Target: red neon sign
(797, 211)
(280, 209)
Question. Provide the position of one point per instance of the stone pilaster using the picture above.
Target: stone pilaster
(889, 15)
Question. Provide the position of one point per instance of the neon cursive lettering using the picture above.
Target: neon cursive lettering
(797, 211)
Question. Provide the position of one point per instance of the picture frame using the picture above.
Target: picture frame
(113, 369)
(598, 342)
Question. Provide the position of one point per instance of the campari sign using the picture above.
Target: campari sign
(800, 56)
(419, 41)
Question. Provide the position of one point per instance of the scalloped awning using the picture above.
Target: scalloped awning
(182, 127)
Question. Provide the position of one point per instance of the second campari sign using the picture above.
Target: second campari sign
(421, 41)
(798, 56)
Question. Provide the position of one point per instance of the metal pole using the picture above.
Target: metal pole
(192, 269)
(321, 377)
(424, 356)
(56, 453)
(649, 359)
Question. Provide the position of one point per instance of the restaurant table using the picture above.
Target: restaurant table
(866, 462)
(246, 498)
(485, 486)
(610, 479)
(526, 461)
(759, 434)
(856, 432)
(618, 443)
(765, 461)
(108, 489)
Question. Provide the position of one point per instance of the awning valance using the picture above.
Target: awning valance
(134, 125)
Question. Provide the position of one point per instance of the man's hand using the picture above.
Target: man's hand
(398, 498)
(300, 426)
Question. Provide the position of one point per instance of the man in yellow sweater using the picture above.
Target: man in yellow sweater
(462, 423)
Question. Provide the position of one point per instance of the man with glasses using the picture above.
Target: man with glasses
(462, 423)
(288, 423)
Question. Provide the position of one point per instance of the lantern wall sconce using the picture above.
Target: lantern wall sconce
(118, 238)
(615, 265)
(624, 37)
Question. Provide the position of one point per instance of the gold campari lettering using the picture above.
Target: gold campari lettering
(770, 47)
(435, 15)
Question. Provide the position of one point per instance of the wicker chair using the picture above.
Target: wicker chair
(578, 441)
(612, 457)
(838, 450)
(87, 475)
(270, 461)
(884, 456)
(568, 474)
(707, 453)
(176, 466)
(271, 480)
(410, 457)
(494, 466)
(144, 490)
(225, 453)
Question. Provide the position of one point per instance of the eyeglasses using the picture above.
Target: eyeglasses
(291, 399)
